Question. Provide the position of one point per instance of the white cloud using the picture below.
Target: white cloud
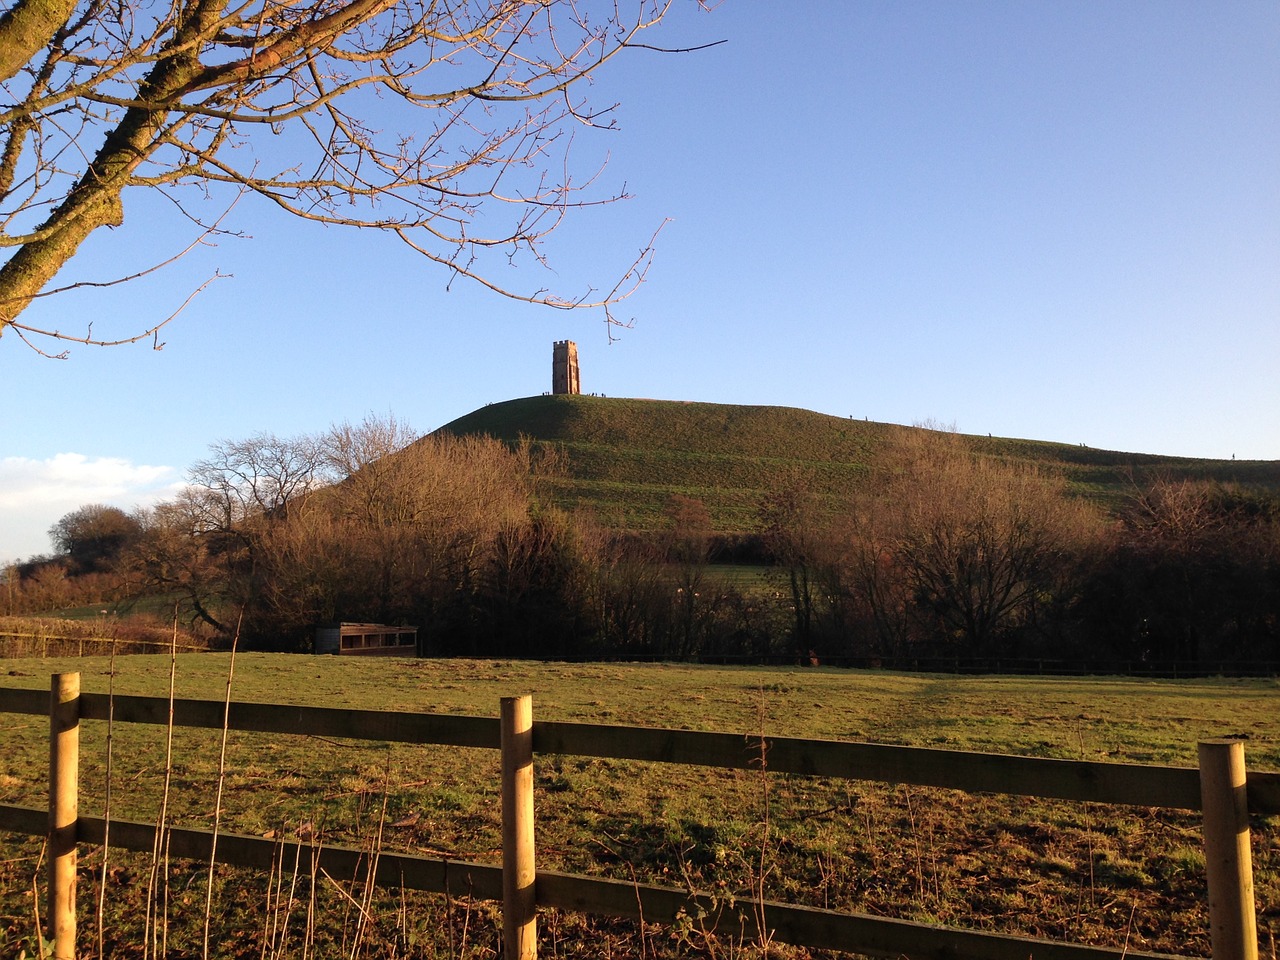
(35, 494)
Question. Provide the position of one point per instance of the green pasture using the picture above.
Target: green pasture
(1139, 720)
(624, 458)
(1070, 871)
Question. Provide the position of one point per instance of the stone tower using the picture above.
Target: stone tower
(564, 367)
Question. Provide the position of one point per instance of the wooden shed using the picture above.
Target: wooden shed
(367, 640)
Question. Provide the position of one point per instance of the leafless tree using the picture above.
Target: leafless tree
(348, 448)
(1192, 571)
(446, 123)
(208, 544)
(357, 522)
(94, 535)
(688, 543)
(796, 529)
(960, 544)
(262, 476)
(627, 592)
(180, 555)
(397, 535)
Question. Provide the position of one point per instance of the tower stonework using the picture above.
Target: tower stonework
(564, 367)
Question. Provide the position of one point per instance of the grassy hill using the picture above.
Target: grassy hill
(625, 457)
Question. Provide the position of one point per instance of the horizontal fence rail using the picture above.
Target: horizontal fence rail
(975, 772)
(15, 645)
(808, 926)
(1112, 783)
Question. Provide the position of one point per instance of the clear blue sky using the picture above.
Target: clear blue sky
(1054, 220)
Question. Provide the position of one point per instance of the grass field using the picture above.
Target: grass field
(1085, 873)
(625, 457)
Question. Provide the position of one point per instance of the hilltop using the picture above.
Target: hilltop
(624, 458)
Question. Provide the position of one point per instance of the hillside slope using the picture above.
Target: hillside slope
(626, 457)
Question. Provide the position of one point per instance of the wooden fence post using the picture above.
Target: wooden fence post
(519, 905)
(64, 809)
(1232, 919)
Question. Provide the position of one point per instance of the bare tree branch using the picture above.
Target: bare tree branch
(446, 124)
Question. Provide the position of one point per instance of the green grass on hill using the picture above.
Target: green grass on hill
(698, 428)
(626, 457)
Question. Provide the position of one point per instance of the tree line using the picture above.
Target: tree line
(939, 552)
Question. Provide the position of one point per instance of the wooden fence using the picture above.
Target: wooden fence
(1219, 788)
(17, 644)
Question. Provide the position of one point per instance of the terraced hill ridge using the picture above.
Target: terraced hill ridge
(624, 458)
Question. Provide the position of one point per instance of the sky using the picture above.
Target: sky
(1055, 220)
